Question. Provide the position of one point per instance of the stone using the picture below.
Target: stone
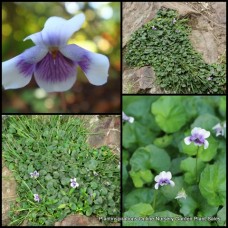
(106, 131)
(220, 11)
(8, 193)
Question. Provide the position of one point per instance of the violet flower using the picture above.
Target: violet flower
(53, 62)
(153, 28)
(35, 174)
(164, 178)
(220, 129)
(36, 197)
(198, 137)
(174, 21)
(130, 119)
(74, 183)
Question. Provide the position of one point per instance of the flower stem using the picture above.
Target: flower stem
(154, 200)
(41, 185)
(196, 164)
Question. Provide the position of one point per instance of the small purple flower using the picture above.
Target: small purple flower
(220, 129)
(74, 183)
(36, 197)
(127, 118)
(198, 137)
(35, 174)
(153, 28)
(52, 62)
(164, 178)
(174, 21)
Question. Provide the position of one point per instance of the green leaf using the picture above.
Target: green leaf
(222, 215)
(142, 209)
(61, 206)
(205, 121)
(213, 184)
(189, 166)
(142, 195)
(164, 141)
(89, 211)
(141, 177)
(169, 113)
(150, 157)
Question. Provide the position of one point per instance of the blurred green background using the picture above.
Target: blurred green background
(100, 33)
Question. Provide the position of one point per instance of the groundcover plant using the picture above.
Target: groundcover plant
(164, 44)
(173, 161)
(57, 172)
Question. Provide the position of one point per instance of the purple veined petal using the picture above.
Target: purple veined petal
(17, 72)
(57, 30)
(55, 72)
(95, 66)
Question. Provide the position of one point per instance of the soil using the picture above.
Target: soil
(208, 22)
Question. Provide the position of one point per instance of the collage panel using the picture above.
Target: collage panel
(61, 170)
(174, 160)
(174, 48)
(69, 61)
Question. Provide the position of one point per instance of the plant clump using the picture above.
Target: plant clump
(57, 173)
(164, 44)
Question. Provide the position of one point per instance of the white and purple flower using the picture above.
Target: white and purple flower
(198, 137)
(129, 119)
(53, 62)
(74, 183)
(36, 198)
(154, 28)
(220, 129)
(35, 174)
(164, 178)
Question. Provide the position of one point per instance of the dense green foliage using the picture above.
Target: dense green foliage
(56, 147)
(155, 143)
(164, 44)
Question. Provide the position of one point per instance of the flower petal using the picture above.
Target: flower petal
(205, 133)
(172, 183)
(195, 130)
(36, 38)
(168, 175)
(156, 185)
(95, 66)
(157, 178)
(55, 73)
(206, 144)
(57, 30)
(17, 72)
(187, 140)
